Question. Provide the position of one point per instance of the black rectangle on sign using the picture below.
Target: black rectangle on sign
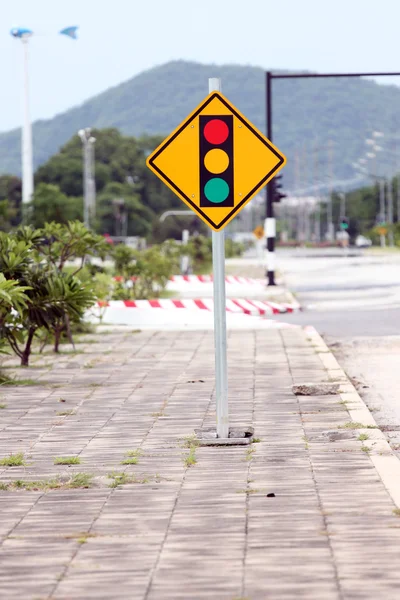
(216, 186)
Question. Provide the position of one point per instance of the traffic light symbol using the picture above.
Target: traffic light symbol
(276, 189)
(216, 161)
(344, 223)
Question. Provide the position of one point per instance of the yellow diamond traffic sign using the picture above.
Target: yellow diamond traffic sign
(216, 161)
(259, 232)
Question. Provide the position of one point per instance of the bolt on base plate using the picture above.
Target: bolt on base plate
(238, 436)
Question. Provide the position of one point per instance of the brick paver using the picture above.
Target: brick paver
(200, 532)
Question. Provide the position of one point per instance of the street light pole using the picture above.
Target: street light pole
(26, 141)
(89, 189)
(27, 158)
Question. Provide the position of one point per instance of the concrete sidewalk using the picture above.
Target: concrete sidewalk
(303, 513)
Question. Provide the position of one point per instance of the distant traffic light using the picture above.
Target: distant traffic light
(344, 223)
(276, 189)
(216, 161)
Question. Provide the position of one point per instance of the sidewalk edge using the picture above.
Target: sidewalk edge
(381, 454)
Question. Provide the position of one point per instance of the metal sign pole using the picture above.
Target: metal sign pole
(221, 367)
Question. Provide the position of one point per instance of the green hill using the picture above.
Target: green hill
(307, 114)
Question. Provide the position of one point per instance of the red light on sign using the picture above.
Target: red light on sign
(216, 131)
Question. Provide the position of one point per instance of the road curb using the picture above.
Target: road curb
(382, 456)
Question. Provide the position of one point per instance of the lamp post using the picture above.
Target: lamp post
(89, 187)
(23, 34)
(26, 142)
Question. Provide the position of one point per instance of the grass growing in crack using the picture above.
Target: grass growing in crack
(67, 460)
(305, 440)
(129, 461)
(84, 538)
(249, 453)
(192, 443)
(14, 460)
(355, 425)
(365, 449)
(256, 440)
(248, 491)
(362, 437)
(121, 478)
(95, 384)
(16, 382)
(81, 538)
(3, 406)
(132, 457)
(65, 413)
(396, 511)
(190, 459)
(79, 480)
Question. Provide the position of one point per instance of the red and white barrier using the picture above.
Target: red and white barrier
(229, 279)
(246, 306)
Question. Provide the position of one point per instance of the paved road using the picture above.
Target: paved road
(354, 301)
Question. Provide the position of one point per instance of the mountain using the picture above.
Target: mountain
(309, 115)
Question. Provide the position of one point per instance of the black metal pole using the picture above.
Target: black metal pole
(269, 190)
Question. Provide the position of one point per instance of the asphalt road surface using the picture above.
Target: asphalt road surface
(354, 302)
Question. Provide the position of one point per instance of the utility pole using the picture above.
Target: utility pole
(390, 211)
(270, 225)
(329, 204)
(382, 211)
(317, 212)
(398, 199)
(297, 223)
(89, 187)
(342, 205)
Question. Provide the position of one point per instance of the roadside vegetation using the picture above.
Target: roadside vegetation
(48, 282)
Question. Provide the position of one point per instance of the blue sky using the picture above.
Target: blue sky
(119, 39)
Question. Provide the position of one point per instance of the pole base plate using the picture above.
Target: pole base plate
(238, 436)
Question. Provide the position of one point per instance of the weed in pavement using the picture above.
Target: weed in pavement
(21, 382)
(80, 480)
(121, 478)
(362, 437)
(355, 425)
(65, 413)
(134, 453)
(249, 453)
(365, 449)
(14, 460)
(67, 460)
(3, 406)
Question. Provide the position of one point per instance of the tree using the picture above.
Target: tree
(50, 204)
(119, 200)
(120, 173)
(10, 201)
